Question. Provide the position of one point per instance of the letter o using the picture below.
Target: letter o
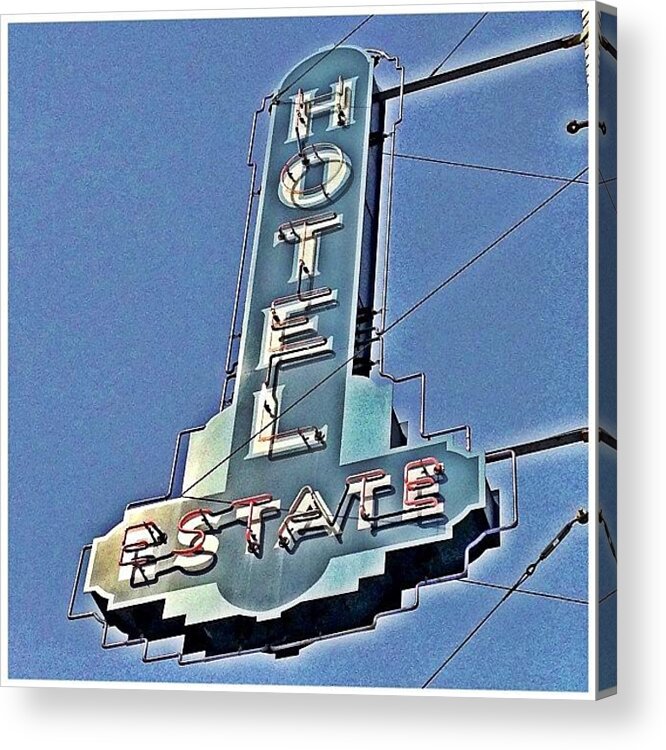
(337, 171)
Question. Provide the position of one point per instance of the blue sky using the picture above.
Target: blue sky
(127, 195)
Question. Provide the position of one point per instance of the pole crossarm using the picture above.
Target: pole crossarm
(482, 66)
(608, 46)
(580, 435)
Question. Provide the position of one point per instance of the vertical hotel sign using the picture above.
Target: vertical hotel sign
(300, 510)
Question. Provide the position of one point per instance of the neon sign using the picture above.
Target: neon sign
(300, 510)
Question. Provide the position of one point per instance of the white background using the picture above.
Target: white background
(636, 716)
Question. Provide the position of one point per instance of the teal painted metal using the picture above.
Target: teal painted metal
(292, 519)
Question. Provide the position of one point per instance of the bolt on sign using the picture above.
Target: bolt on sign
(301, 510)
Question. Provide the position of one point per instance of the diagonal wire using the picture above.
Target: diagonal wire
(581, 517)
(362, 347)
(459, 45)
(605, 182)
(530, 592)
(322, 58)
(609, 538)
(608, 596)
(484, 168)
(481, 253)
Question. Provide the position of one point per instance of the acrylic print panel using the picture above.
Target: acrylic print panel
(322, 510)
(607, 192)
